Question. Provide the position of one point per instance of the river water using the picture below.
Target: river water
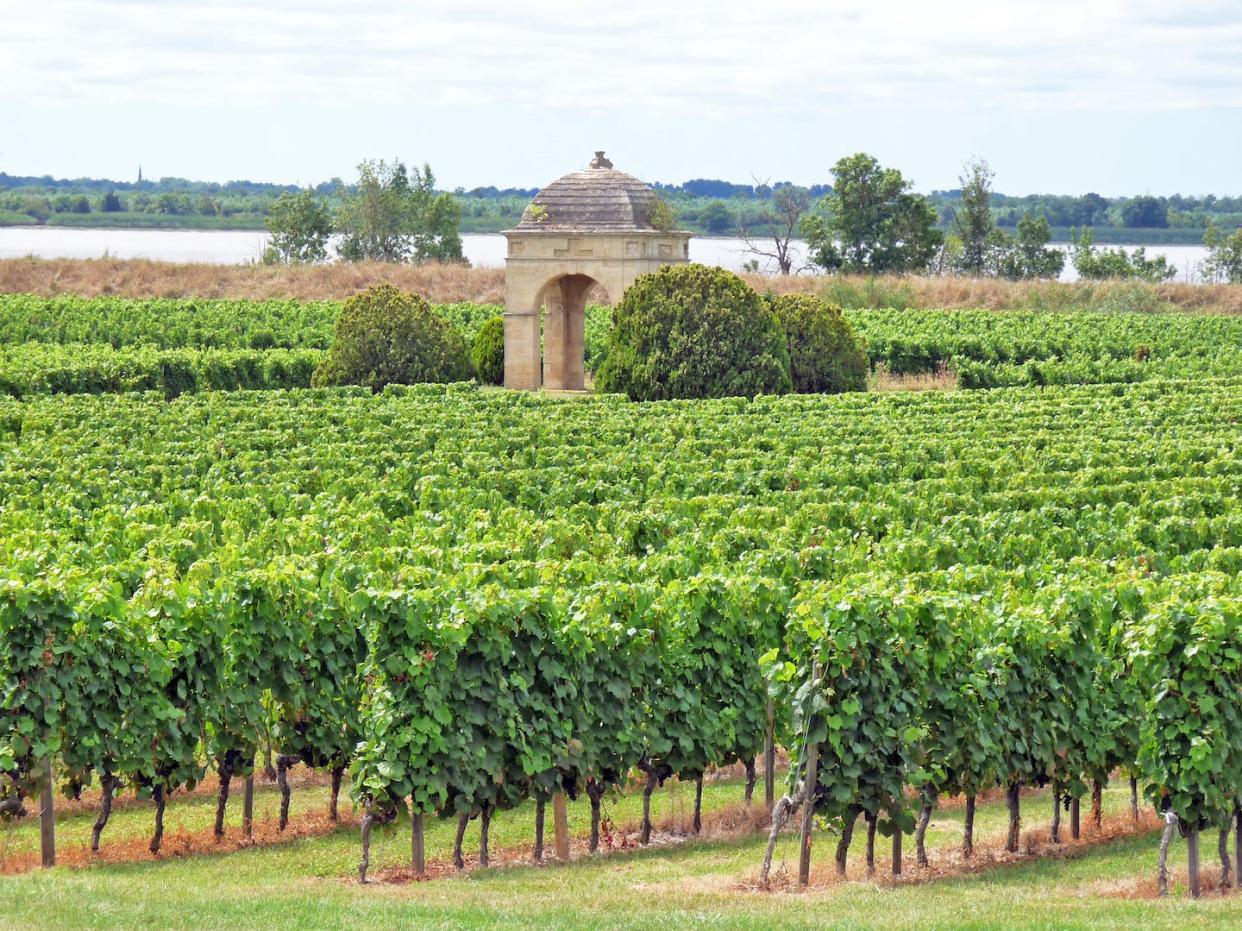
(232, 247)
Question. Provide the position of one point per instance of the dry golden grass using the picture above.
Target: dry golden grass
(994, 294)
(883, 381)
(444, 283)
(144, 278)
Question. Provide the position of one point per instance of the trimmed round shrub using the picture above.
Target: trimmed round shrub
(488, 352)
(694, 331)
(387, 336)
(825, 357)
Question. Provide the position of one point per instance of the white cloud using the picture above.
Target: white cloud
(1061, 95)
(716, 60)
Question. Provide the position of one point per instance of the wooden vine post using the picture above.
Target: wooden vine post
(248, 804)
(808, 806)
(560, 826)
(1237, 849)
(47, 820)
(769, 758)
(897, 838)
(1192, 861)
(418, 848)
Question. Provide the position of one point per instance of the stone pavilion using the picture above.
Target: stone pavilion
(595, 227)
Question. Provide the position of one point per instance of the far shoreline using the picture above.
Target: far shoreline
(1061, 236)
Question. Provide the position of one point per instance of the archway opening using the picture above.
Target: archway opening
(562, 302)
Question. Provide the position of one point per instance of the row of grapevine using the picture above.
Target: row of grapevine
(903, 340)
(987, 349)
(465, 701)
(471, 700)
(142, 691)
(273, 564)
(189, 323)
(36, 369)
(910, 341)
(899, 688)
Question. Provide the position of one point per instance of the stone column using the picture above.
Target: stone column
(523, 366)
(573, 333)
(553, 338)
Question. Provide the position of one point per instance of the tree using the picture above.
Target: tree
(385, 336)
(300, 226)
(973, 217)
(948, 257)
(111, 203)
(1224, 260)
(694, 331)
(1144, 212)
(174, 204)
(1096, 264)
(872, 223)
(1027, 256)
(207, 206)
(660, 215)
(488, 352)
(825, 357)
(1092, 210)
(716, 218)
(779, 217)
(391, 216)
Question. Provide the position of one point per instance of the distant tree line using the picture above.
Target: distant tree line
(870, 222)
(704, 205)
(867, 219)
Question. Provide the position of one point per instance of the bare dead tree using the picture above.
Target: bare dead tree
(781, 810)
(779, 219)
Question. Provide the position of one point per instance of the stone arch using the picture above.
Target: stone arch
(547, 278)
(562, 302)
(545, 325)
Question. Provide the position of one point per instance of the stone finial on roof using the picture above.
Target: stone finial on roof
(600, 161)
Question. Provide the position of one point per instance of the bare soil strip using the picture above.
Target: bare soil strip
(730, 823)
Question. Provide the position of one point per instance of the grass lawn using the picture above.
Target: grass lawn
(308, 882)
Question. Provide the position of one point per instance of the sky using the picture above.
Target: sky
(1120, 97)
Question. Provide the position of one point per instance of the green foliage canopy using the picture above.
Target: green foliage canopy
(717, 219)
(387, 336)
(300, 227)
(1224, 261)
(1094, 264)
(1026, 256)
(488, 352)
(972, 218)
(824, 355)
(871, 223)
(694, 331)
(395, 216)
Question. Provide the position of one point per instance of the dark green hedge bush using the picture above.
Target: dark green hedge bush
(488, 352)
(694, 331)
(387, 336)
(825, 357)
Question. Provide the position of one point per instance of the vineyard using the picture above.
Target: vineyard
(70, 345)
(466, 599)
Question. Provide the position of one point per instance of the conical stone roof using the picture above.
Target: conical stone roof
(597, 199)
